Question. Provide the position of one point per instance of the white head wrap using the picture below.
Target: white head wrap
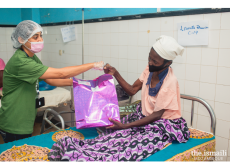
(167, 47)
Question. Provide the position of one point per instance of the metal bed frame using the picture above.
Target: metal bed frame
(183, 96)
(207, 106)
(54, 113)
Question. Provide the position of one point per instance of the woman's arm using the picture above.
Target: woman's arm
(70, 71)
(130, 89)
(144, 121)
(66, 72)
(59, 82)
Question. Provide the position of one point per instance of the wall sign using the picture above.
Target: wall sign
(193, 33)
(68, 33)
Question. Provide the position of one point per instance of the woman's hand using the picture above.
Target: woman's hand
(109, 69)
(116, 125)
(99, 65)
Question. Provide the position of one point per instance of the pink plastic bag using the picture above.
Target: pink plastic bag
(95, 102)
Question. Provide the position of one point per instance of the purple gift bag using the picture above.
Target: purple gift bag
(95, 102)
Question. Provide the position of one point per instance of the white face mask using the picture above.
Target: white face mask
(36, 47)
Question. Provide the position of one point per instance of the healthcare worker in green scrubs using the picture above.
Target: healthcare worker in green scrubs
(21, 76)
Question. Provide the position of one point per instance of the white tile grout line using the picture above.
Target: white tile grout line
(200, 72)
(229, 135)
(228, 148)
(217, 60)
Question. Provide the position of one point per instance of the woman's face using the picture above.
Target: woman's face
(35, 38)
(154, 58)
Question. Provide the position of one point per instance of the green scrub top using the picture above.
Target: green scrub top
(18, 112)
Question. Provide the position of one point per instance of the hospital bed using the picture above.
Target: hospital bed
(54, 98)
(199, 141)
(58, 97)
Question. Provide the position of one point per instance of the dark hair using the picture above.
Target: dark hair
(165, 61)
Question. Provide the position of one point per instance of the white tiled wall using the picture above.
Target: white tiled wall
(202, 71)
(6, 48)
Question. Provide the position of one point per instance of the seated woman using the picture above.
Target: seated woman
(156, 122)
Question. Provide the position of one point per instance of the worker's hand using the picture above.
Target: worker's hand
(109, 69)
(98, 65)
(116, 125)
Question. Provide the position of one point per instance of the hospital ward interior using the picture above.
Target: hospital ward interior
(114, 84)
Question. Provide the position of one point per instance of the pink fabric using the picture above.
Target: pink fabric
(168, 97)
(2, 64)
(36, 47)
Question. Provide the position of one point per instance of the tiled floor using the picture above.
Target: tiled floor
(37, 128)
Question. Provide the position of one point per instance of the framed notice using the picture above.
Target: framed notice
(193, 33)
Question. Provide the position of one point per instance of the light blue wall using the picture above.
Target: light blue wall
(30, 14)
(26, 14)
(175, 9)
(55, 15)
(10, 16)
(36, 15)
(13, 16)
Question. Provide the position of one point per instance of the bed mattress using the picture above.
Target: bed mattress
(199, 141)
(54, 97)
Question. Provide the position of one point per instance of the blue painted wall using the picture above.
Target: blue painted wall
(30, 14)
(55, 15)
(175, 9)
(12, 16)
(36, 15)
(26, 14)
